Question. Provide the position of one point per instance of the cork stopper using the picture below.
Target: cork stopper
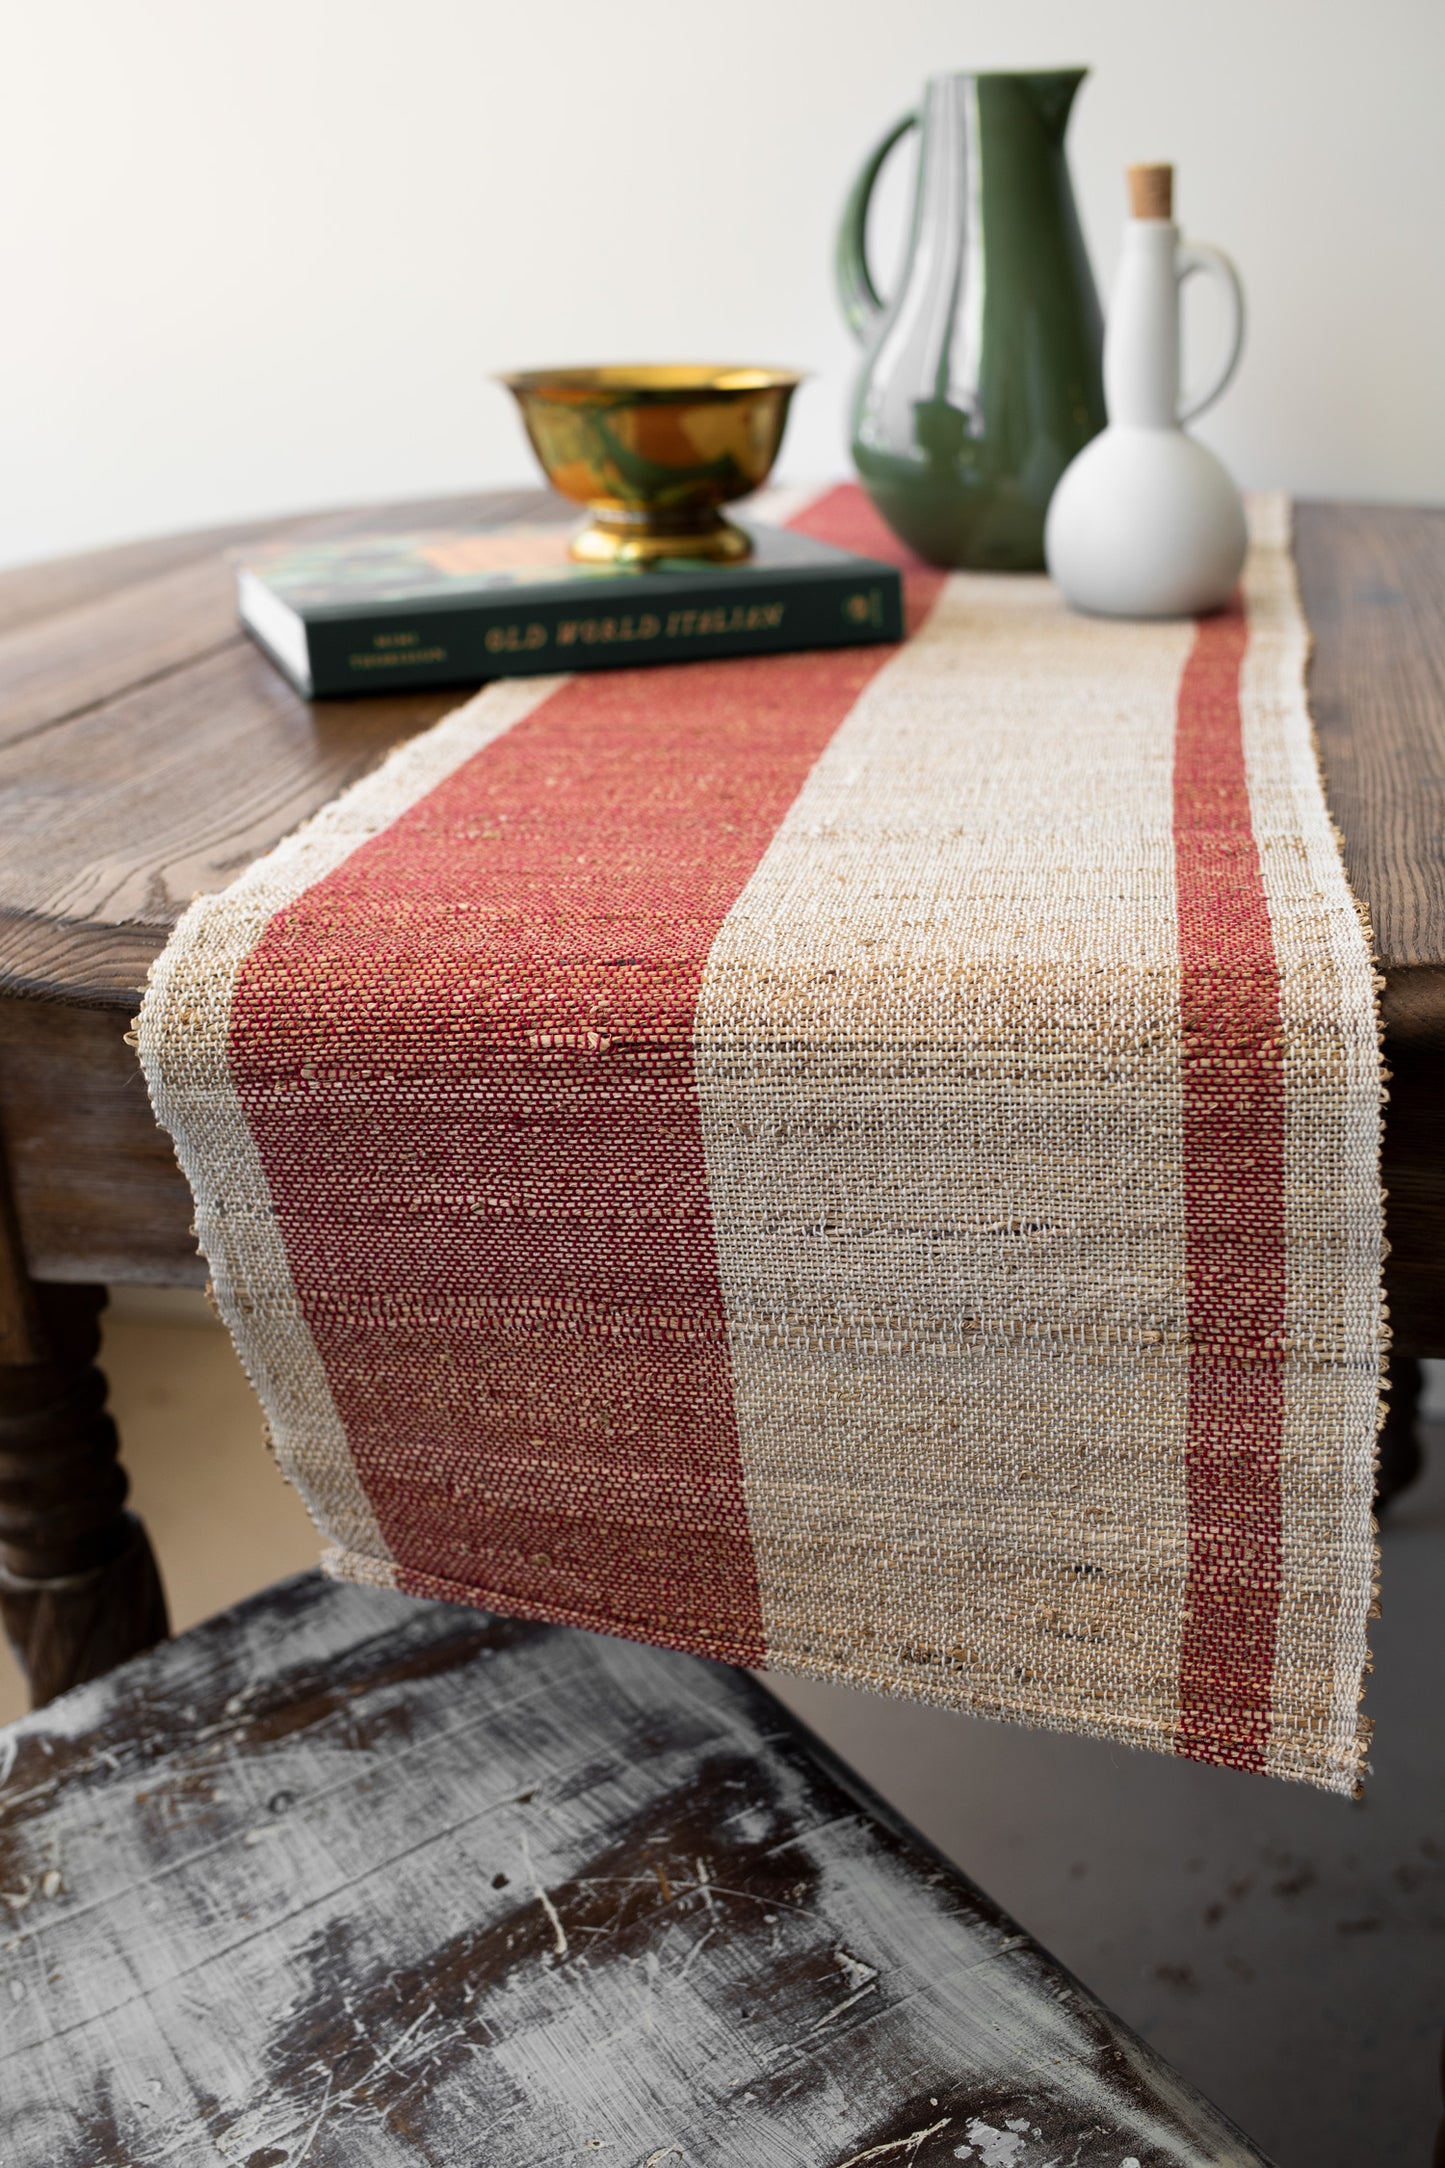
(1151, 191)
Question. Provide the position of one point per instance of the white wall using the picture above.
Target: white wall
(265, 255)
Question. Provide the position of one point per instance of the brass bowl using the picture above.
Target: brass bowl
(655, 452)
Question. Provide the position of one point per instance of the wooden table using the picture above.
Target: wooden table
(346, 1878)
(148, 752)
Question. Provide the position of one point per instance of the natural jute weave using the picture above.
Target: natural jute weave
(864, 1163)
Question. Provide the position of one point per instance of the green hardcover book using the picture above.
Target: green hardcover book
(376, 613)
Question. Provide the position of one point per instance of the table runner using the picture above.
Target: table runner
(861, 1163)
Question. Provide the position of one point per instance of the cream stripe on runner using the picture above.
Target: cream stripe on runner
(938, 1050)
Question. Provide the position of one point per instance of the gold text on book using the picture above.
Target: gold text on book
(395, 659)
(742, 617)
(515, 639)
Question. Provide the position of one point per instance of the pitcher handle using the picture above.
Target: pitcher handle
(1198, 256)
(859, 296)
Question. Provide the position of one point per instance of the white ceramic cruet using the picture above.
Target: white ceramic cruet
(1146, 522)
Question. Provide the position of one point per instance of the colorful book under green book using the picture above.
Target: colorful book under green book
(376, 613)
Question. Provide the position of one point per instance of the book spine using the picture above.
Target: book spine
(506, 637)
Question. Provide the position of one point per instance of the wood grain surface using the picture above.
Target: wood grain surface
(33, 592)
(349, 1879)
(1373, 584)
(97, 1192)
(148, 751)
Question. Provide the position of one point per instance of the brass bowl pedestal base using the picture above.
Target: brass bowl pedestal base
(620, 536)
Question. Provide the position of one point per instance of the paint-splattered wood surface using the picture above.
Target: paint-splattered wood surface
(342, 1878)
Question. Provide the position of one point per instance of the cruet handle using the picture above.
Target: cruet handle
(1198, 256)
(862, 304)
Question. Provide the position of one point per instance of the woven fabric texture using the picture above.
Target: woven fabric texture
(859, 1163)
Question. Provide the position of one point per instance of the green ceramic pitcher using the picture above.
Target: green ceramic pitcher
(983, 374)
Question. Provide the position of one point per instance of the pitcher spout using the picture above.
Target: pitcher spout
(1052, 97)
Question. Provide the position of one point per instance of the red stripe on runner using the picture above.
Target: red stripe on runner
(1233, 1086)
(465, 1057)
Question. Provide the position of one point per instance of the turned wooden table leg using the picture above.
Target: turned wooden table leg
(79, 1590)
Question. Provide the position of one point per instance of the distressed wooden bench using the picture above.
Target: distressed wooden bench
(343, 1878)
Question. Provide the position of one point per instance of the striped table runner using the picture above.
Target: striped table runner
(860, 1163)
